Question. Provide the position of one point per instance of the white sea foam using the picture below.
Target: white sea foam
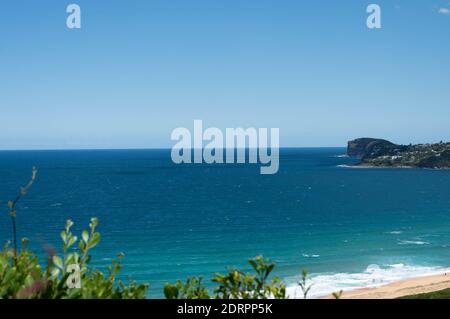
(310, 256)
(373, 276)
(413, 242)
(353, 166)
(395, 232)
(341, 156)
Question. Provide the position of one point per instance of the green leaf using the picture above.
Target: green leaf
(63, 235)
(69, 224)
(72, 240)
(55, 272)
(170, 291)
(85, 236)
(94, 240)
(57, 261)
(93, 224)
(71, 259)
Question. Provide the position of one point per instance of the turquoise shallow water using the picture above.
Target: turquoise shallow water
(349, 227)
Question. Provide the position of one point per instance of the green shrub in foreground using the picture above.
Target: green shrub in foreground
(22, 276)
(233, 285)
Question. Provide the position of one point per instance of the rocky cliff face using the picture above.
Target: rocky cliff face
(381, 153)
(363, 147)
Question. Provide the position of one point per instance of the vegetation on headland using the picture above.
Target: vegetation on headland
(382, 153)
(440, 294)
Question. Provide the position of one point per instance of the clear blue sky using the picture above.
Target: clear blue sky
(138, 69)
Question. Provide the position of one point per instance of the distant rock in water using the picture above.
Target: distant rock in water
(382, 153)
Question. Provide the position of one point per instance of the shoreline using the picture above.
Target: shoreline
(381, 167)
(366, 166)
(400, 288)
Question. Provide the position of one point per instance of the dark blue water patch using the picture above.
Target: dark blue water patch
(173, 221)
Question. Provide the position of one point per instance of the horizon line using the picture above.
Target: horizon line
(136, 148)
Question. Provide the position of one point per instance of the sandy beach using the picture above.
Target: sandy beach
(401, 288)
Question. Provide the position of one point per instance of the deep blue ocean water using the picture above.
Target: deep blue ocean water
(349, 227)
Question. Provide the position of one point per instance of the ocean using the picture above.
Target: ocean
(349, 227)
